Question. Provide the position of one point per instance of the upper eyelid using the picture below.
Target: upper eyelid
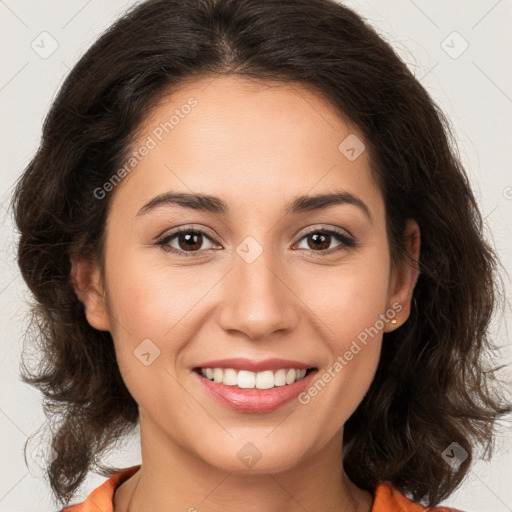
(337, 230)
(174, 231)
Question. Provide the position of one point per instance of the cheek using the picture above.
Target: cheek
(148, 299)
(144, 311)
(357, 307)
(347, 299)
(142, 308)
(348, 303)
(153, 311)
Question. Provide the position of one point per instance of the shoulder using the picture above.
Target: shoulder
(389, 499)
(101, 499)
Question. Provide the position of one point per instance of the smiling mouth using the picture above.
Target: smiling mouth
(245, 379)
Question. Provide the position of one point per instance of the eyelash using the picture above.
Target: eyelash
(346, 241)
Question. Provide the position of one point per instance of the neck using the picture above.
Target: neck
(172, 474)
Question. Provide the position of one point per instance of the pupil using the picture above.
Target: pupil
(189, 240)
(322, 245)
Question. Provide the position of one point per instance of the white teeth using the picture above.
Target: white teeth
(218, 374)
(249, 380)
(230, 377)
(280, 378)
(291, 375)
(265, 380)
(246, 379)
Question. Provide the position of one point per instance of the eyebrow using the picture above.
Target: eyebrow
(212, 204)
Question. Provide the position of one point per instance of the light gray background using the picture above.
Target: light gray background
(473, 88)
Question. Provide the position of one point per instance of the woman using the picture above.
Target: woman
(247, 233)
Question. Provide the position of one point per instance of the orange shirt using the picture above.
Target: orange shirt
(387, 497)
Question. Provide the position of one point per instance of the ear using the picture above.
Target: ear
(404, 276)
(87, 282)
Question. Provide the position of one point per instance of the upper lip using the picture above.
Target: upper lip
(241, 363)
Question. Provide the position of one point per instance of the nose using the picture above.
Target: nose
(258, 297)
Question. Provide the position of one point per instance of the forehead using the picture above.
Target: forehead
(256, 143)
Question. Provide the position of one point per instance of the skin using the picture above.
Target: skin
(257, 146)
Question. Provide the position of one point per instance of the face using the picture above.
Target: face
(255, 274)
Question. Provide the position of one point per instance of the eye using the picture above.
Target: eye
(185, 241)
(189, 242)
(321, 240)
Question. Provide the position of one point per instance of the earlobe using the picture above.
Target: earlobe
(405, 275)
(86, 281)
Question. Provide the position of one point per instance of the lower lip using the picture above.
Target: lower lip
(255, 400)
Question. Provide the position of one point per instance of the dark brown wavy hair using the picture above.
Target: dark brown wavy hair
(435, 383)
